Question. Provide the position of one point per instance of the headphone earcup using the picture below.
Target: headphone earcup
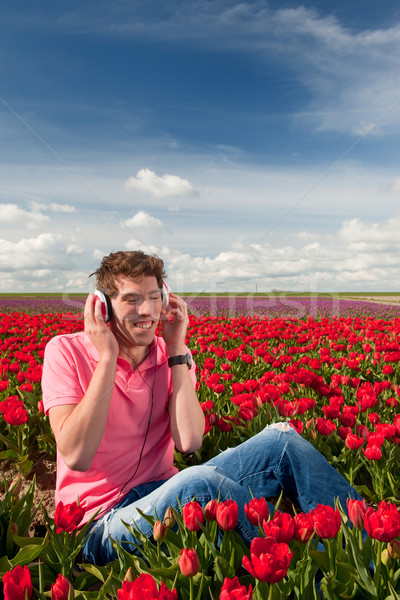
(165, 295)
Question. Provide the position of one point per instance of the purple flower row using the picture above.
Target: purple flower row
(297, 307)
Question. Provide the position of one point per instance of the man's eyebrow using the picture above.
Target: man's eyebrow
(138, 295)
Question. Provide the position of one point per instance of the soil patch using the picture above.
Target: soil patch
(44, 472)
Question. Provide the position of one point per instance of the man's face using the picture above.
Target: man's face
(136, 310)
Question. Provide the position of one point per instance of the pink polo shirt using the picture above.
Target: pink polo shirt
(68, 368)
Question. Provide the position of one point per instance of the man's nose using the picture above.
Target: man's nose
(144, 307)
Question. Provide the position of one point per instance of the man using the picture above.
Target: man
(119, 399)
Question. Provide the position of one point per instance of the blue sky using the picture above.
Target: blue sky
(252, 145)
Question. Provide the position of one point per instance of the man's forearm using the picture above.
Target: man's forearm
(79, 428)
(186, 416)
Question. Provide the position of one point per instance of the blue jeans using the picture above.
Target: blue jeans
(276, 458)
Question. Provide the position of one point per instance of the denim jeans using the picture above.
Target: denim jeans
(276, 458)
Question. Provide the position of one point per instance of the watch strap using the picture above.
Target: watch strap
(180, 359)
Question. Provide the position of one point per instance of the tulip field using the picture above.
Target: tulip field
(329, 367)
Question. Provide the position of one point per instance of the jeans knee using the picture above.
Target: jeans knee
(206, 483)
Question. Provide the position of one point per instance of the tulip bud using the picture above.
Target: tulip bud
(210, 510)
(14, 528)
(385, 557)
(356, 510)
(189, 563)
(159, 531)
(394, 549)
(169, 518)
(16, 486)
(130, 575)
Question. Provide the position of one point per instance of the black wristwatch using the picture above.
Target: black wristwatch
(180, 359)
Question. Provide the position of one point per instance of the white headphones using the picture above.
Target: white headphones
(106, 302)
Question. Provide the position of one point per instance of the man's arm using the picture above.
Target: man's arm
(186, 417)
(79, 428)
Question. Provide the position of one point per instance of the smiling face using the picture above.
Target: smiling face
(137, 307)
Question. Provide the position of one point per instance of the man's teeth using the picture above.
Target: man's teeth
(143, 325)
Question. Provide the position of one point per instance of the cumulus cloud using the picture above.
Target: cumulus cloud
(41, 263)
(143, 223)
(395, 186)
(63, 208)
(12, 214)
(159, 187)
(44, 251)
(359, 256)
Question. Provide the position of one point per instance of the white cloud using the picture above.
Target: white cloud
(12, 214)
(63, 208)
(41, 263)
(395, 186)
(73, 249)
(145, 224)
(136, 244)
(159, 187)
(359, 255)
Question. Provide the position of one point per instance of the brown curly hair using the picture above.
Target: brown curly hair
(134, 264)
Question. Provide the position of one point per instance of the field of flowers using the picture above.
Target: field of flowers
(328, 366)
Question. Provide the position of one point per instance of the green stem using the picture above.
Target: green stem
(379, 479)
(377, 574)
(64, 553)
(271, 591)
(191, 588)
(360, 540)
(19, 440)
(331, 556)
(351, 468)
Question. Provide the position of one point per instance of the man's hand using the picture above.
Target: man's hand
(98, 331)
(174, 323)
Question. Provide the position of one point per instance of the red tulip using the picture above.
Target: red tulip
(269, 560)
(227, 515)
(297, 425)
(145, 588)
(327, 521)
(325, 426)
(303, 527)
(257, 511)
(60, 590)
(17, 584)
(353, 442)
(281, 527)
(193, 515)
(356, 510)
(372, 452)
(13, 410)
(233, 590)
(383, 524)
(67, 517)
(189, 563)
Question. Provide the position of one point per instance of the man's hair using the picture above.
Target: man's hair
(134, 264)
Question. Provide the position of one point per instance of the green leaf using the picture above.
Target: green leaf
(5, 564)
(223, 569)
(28, 554)
(393, 594)
(320, 558)
(6, 454)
